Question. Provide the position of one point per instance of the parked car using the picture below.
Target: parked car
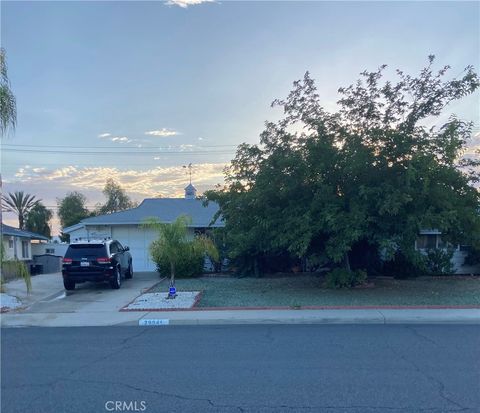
(96, 260)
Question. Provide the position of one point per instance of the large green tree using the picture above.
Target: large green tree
(71, 210)
(20, 204)
(365, 178)
(117, 199)
(38, 219)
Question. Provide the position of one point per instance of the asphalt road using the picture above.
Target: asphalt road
(257, 368)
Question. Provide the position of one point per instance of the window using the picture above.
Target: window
(10, 243)
(25, 252)
(49, 250)
(79, 251)
(113, 248)
(427, 241)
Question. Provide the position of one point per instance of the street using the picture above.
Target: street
(256, 368)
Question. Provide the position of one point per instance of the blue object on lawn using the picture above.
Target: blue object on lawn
(172, 290)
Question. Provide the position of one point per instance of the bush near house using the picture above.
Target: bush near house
(174, 253)
(189, 264)
(436, 261)
(342, 278)
(473, 257)
(439, 261)
(13, 269)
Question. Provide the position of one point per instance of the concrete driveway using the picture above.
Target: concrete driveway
(49, 301)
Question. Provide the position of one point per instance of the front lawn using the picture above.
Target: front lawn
(307, 290)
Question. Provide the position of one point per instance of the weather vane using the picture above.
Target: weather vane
(189, 167)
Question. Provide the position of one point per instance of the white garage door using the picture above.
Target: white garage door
(139, 240)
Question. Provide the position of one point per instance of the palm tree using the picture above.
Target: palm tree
(8, 106)
(20, 204)
(173, 242)
(8, 119)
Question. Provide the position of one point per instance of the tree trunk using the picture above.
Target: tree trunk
(172, 280)
(20, 221)
(256, 270)
(172, 273)
(346, 262)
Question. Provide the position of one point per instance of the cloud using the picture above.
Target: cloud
(118, 139)
(164, 132)
(185, 3)
(121, 139)
(167, 181)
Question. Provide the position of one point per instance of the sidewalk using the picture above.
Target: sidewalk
(347, 316)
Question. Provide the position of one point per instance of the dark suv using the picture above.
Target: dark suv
(96, 260)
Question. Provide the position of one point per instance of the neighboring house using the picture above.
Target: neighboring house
(49, 248)
(17, 243)
(127, 226)
(432, 239)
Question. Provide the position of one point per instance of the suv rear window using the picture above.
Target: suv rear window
(86, 250)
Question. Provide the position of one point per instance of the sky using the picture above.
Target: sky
(136, 90)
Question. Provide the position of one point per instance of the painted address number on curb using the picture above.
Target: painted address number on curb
(153, 322)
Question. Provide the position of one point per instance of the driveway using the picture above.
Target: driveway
(50, 302)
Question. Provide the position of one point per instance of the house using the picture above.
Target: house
(429, 239)
(17, 243)
(49, 248)
(127, 226)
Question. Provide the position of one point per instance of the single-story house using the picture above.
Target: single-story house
(127, 226)
(17, 243)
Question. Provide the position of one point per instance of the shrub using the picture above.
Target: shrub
(434, 262)
(439, 261)
(402, 267)
(342, 278)
(473, 257)
(175, 253)
(15, 269)
(190, 261)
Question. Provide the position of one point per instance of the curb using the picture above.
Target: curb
(265, 317)
(369, 316)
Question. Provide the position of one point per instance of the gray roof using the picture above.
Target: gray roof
(166, 210)
(15, 232)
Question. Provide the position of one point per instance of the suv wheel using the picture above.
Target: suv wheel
(69, 285)
(117, 279)
(129, 273)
